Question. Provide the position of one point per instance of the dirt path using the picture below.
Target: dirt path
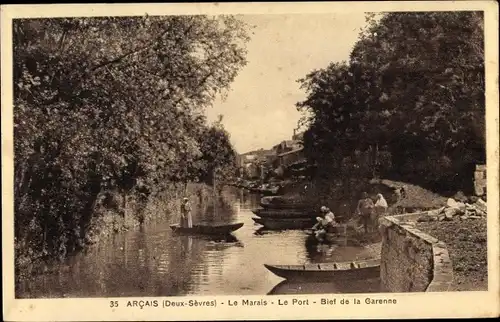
(416, 196)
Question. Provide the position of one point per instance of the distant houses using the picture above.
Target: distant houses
(286, 146)
(252, 164)
(256, 164)
(288, 158)
(291, 151)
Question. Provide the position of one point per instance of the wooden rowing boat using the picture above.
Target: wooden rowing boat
(278, 202)
(288, 206)
(216, 229)
(282, 214)
(328, 271)
(283, 224)
(269, 191)
(209, 229)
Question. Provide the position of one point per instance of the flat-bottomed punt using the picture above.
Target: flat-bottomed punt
(277, 202)
(269, 191)
(282, 213)
(283, 224)
(365, 269)
(290, 206)
(215, 229)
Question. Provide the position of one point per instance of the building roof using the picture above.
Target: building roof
(291, 152)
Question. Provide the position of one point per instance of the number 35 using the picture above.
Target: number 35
(113, 303)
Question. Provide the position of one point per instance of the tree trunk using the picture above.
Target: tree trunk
(177, 200)
(88, 211)
(374, 161)
(125, 207)
(44, 242)
(214, 184)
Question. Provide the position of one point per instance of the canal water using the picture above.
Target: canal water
(152, 261)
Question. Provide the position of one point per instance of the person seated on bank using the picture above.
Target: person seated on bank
(319, 229)
(329, 218)
(186, 219)
(321, 226)
(324, 224)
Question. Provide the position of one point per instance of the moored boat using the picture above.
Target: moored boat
(278, 202)
(270, 191)
(328, 271)
(283, 224)
(290, 206)
(215, 229)
(282, 213)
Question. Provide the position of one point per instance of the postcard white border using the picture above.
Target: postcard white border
(421, 305)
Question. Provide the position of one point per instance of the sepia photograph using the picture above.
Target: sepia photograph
(250, 154)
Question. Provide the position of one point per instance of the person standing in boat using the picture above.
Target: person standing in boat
(186, 219)
(366, 209)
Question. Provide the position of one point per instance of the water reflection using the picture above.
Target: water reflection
(153, 261)
(186, 245)
(229, 239)
(337, 286)
(331, 252)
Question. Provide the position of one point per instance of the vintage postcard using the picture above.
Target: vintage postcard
(246, 161)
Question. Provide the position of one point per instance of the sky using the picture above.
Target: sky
(259, 111)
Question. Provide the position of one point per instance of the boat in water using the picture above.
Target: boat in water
(279, 202)
(285, 206)
(282, 213)
(365, 269)
(209, 229)
(284, 224)
(273, 191)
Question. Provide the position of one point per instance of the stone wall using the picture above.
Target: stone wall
(412, 261)
(480, 180)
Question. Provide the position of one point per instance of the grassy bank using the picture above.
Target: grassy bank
(465, 239)
(343, 199)
(417, 198)
(163, 206)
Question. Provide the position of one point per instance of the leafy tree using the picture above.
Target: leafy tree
(111, 103)
(431, 88)
(414, 87)
(218, 157)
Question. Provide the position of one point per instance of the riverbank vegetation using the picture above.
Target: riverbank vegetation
(110, 112)
(408, 106)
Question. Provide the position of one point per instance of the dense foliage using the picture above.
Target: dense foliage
(410, 102)
(112, 104)
(217, 160)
